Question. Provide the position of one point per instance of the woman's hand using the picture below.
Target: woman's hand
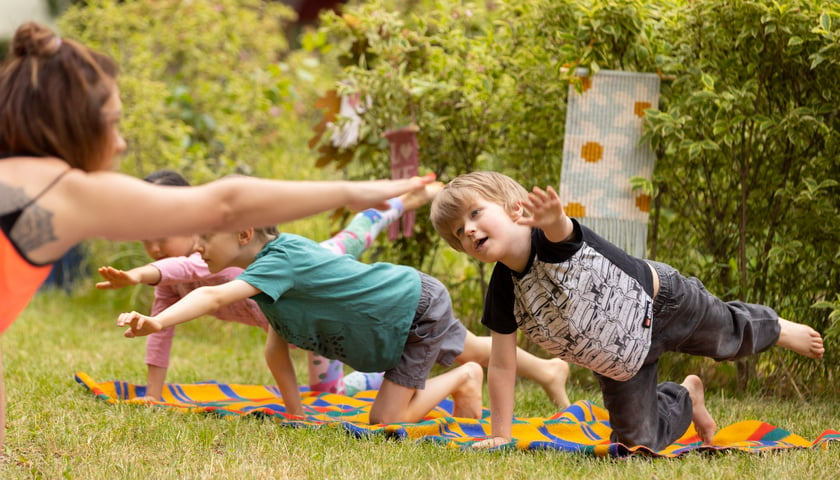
(370, 194)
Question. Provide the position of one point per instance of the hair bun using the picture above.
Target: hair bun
(35, 39)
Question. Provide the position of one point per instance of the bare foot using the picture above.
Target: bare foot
(146, 399)
(704, 424)
(801, 339)
(418, 198)
(556, 386)
(490, 443)
(467, 398)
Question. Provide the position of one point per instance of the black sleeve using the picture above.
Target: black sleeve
(559, 252)
(498, 305)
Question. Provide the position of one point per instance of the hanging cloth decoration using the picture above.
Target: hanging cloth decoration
(602, 150)
(405, 159)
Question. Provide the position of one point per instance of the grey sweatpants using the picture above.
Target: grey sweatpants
(687, 319)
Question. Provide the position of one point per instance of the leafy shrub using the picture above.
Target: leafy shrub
(746, 134)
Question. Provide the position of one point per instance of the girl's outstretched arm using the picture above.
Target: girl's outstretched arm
(116, 278)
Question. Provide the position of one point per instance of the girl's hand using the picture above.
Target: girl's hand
(115, 278)
(138, 325)
(490, 443)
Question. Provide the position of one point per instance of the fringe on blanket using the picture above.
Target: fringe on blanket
(603, 150)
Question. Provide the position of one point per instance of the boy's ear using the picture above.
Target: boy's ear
(517, 211)
(245, 236)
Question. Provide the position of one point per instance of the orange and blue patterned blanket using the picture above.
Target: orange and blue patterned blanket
(583, 427)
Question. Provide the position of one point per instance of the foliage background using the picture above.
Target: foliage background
(746, 134)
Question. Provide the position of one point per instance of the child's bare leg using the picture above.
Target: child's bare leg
(704, 424)
(801, 339)
(395, 403)
(550, 373)
(365, 226)
(469, 389)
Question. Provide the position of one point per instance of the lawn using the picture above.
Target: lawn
(57, 429)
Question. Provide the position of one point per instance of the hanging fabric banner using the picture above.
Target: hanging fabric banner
(602, 150)
(405, 159)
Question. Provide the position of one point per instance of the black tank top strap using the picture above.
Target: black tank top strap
(9, 219)
(47, 188)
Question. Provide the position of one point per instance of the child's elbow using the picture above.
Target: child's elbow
(210, 298)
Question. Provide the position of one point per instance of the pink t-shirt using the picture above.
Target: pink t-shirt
(180, 276)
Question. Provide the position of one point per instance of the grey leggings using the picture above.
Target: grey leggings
(688, 319)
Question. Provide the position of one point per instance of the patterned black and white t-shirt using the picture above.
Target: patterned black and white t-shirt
(585, 301)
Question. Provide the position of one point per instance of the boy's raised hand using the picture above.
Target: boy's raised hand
(138, 325)
(544, 206)
(115, 278)
(546, 213)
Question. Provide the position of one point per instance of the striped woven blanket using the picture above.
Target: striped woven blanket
(583, 427)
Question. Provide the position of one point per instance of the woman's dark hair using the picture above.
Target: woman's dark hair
(52, 91)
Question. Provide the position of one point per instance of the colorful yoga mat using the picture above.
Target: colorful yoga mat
(581, 428)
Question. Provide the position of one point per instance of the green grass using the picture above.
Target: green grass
(57, 429)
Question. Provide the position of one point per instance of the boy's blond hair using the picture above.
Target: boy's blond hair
(449, 205)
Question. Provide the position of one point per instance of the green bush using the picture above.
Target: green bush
(749, 155)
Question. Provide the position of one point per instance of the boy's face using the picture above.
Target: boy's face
(170, 247)
(219, 250)
(484, 231)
